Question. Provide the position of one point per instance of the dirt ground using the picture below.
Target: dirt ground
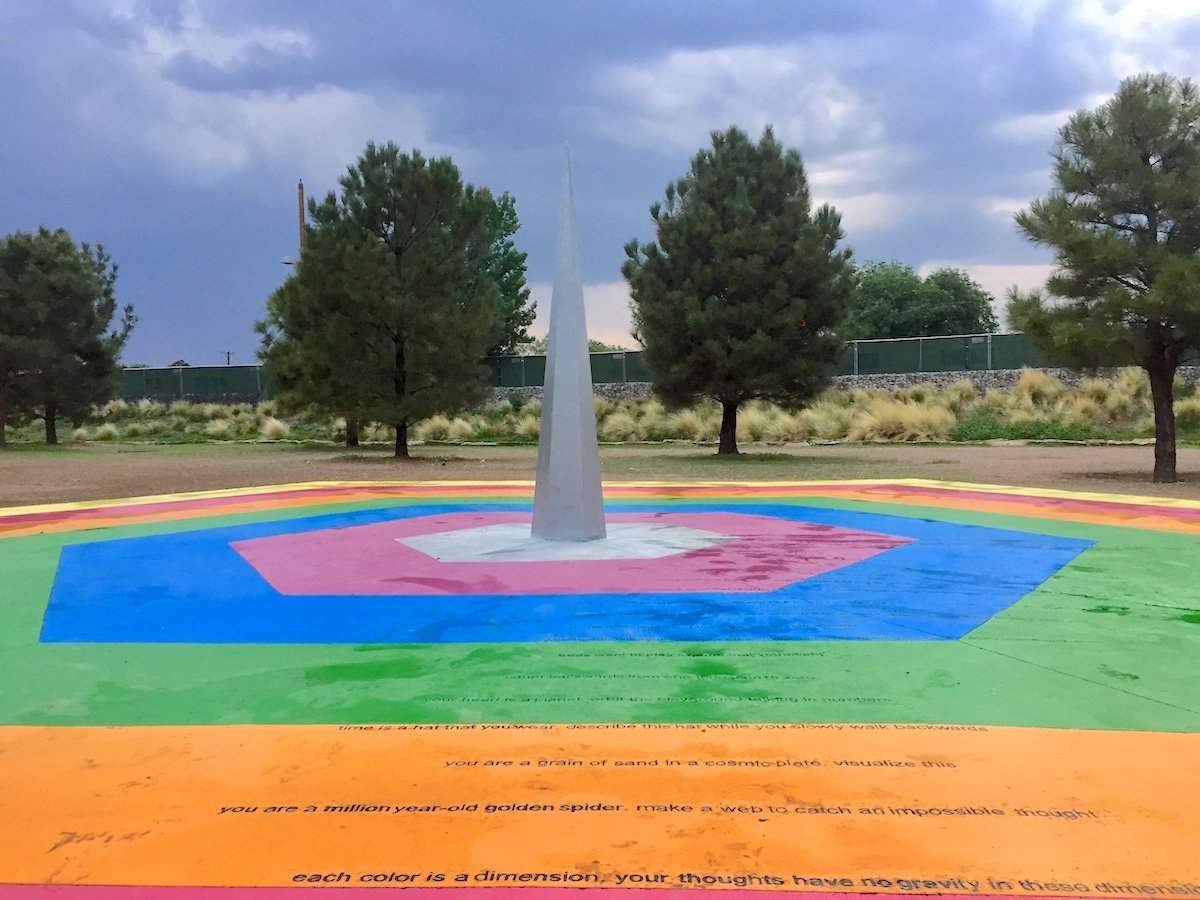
(96, 472)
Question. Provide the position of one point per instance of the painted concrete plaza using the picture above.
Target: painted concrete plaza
(851, 687)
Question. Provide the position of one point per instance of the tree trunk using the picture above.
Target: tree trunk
(728, 443)
(1162, 393)
(351, 431)
(51, 423)
(3, 423)
(402, 440)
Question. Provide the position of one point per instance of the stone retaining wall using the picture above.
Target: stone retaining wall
(982, 381)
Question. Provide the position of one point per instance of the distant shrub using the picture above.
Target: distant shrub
(81, 434)
(981, 425)
(106, 432)
(217, 428)
(148, 407)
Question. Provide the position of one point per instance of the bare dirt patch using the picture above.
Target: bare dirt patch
(96, 472)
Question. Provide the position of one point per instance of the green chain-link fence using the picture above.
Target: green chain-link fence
(955, 353)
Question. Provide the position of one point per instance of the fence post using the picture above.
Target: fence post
(524, 383)
(920, 354)
(179, 370)
(624, 371)
(854, 344)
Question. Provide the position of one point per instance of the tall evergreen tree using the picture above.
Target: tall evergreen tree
(58, 355)
(392, 306)
(312, 332)
(740, 294)
(506, 266)
(1124, 222)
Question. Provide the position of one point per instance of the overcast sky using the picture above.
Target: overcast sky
(174, 131)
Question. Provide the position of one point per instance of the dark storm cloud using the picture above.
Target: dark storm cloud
(174, 131)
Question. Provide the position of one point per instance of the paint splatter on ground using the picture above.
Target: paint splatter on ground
(855, 687)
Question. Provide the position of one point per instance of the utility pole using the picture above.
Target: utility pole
(300, 209)
(229, 357)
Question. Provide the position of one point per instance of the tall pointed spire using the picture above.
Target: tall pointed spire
(567, 502)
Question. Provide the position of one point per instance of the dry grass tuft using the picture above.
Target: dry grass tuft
(435, 428)
(895, 420)
(753, 421)
(272, 429)
(959, 397)
(1037, 389)
(825, 421)
(620, 427)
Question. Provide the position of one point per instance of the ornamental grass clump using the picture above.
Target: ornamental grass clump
(528, 426)
(753, 421)
(959, 397)
(895, 420)
(1096, 389)
(272, 429)
(114, 409)
(1187, 415)
(435, 428)
(825, 421)
(697, 424)
(1035, 389)
(620, 426)
(460, 430)
(785, 428)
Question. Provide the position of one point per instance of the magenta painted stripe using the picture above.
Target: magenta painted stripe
(1108, 507)
(118, 892)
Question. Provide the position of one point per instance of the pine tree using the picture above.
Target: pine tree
(739, 296)
(57, 354)
(1124, 222)
(392, 306)
(507, 268)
